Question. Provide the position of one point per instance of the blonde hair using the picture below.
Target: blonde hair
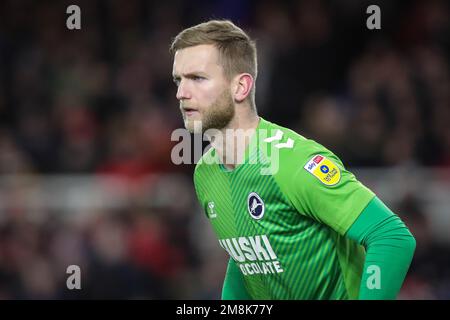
(237, 52)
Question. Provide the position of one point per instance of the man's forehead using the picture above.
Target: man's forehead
(197, 58)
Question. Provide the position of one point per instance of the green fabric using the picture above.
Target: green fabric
(233, 285)
(297, 248)
(389, 250)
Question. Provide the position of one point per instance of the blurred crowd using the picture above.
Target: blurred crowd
(100, 101)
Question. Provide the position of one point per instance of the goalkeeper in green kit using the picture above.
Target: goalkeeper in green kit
(295, 222)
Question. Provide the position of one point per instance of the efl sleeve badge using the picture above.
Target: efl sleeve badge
(324, 169)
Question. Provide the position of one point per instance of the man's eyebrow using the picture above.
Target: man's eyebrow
(190, 74)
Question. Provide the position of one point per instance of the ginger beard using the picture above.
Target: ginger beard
(216, 116)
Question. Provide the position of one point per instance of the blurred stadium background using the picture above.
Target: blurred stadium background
(86, 118)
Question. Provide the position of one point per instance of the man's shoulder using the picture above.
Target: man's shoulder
(304, 162)
(291, 145)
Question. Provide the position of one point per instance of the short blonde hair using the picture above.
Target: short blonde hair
(237, 52)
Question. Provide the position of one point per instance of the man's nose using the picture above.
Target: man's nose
(183, 92)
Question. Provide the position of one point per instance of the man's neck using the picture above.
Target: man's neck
(231, 142)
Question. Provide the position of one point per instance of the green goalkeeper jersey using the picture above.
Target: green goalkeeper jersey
(282, 215)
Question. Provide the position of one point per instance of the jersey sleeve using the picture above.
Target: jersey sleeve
(321, 188)
(389, 250)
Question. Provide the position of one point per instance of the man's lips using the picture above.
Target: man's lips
(189, 111)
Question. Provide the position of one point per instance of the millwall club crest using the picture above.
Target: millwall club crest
(255, 206)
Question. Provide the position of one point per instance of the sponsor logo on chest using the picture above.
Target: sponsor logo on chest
(253, 254)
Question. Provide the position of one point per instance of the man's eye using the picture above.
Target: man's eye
(197, 78)
(177, 82)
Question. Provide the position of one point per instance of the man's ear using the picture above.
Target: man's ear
(242, 85)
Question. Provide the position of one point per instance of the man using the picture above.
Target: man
(305, 230)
